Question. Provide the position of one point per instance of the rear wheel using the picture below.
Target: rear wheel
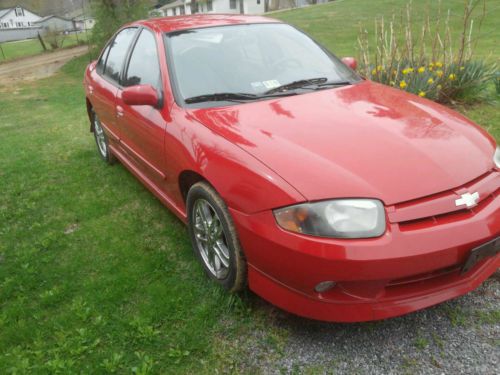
(101, 140)
(214, 237)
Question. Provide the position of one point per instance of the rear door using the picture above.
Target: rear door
(105, 80)
(142, 128)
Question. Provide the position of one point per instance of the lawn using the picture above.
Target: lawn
(30, 47)
(96, 276)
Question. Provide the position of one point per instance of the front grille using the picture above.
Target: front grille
(441, 207)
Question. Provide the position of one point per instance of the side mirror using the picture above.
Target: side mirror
(141, 95)
(350, 62)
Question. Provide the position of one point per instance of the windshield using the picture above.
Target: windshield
(250, 62)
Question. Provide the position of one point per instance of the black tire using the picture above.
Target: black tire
(101, 140)
(234, 277)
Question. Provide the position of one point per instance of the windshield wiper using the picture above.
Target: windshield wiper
(297, 84)
(335, 83)
(222, 96)
(231, 97)
(303, 83)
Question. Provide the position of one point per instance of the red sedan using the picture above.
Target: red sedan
(330, 196)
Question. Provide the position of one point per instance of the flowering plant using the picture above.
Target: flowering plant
(444, 74)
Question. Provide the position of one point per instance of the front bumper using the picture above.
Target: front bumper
(412, 266)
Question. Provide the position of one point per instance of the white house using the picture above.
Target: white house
(55, 23)
(180, 7)
(17, 17)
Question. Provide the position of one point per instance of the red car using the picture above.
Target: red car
(332, 197)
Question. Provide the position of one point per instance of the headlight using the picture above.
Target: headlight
(342, 218)
(496, 158)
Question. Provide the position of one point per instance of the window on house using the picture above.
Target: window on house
(210, 6)
(174, 11)
(117, 53)
(144, 68)
(19, 24)
(258, 1)
(182, 10)
(232, 4)
(19, 12)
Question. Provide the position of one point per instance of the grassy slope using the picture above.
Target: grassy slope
(30, 47)
(95, 274)
(336, 25)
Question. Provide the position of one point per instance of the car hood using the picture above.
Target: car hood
(362, 140)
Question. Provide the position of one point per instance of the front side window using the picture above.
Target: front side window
(117, 53)
(143, 68)
(253, 59)
(232, 4)
(210, 6)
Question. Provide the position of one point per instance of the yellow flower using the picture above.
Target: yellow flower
(462, 67)
(439, 87)
(374, 71)
(405, 71)
(439, 73)
(410, 70)
(431, 65)
(421, 69)
(421, 94)
(402, 84)
(379, 68)
(430, 81)
(439, 64)
(452, 77)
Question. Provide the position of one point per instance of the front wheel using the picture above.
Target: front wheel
(101, 140)
(214, 237)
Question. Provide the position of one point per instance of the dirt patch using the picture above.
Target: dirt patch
(38, 66)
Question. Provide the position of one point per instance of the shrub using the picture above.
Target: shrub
(447, 73)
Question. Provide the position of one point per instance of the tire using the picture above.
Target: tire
(101, 140)
(214, 238)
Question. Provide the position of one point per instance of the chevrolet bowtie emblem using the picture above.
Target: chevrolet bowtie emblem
(467, 199)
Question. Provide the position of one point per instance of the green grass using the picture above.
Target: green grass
(30, 47)
(336, 25)
(96, 276)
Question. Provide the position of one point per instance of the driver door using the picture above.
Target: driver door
(142, 128)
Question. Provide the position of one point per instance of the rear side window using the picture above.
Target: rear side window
(118, 52)
(144, 67)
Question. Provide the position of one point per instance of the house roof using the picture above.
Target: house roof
(43, 19)
(3, 12)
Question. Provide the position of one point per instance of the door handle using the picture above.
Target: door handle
(91, 89)
(119, 111)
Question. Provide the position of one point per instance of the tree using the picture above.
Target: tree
(111, 14)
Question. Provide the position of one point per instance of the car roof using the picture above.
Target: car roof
(169, 24)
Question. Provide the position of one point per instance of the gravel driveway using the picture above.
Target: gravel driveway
(461, 336)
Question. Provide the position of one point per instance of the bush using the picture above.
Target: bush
(447, 74)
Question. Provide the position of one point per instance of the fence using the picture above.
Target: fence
(8, 35)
